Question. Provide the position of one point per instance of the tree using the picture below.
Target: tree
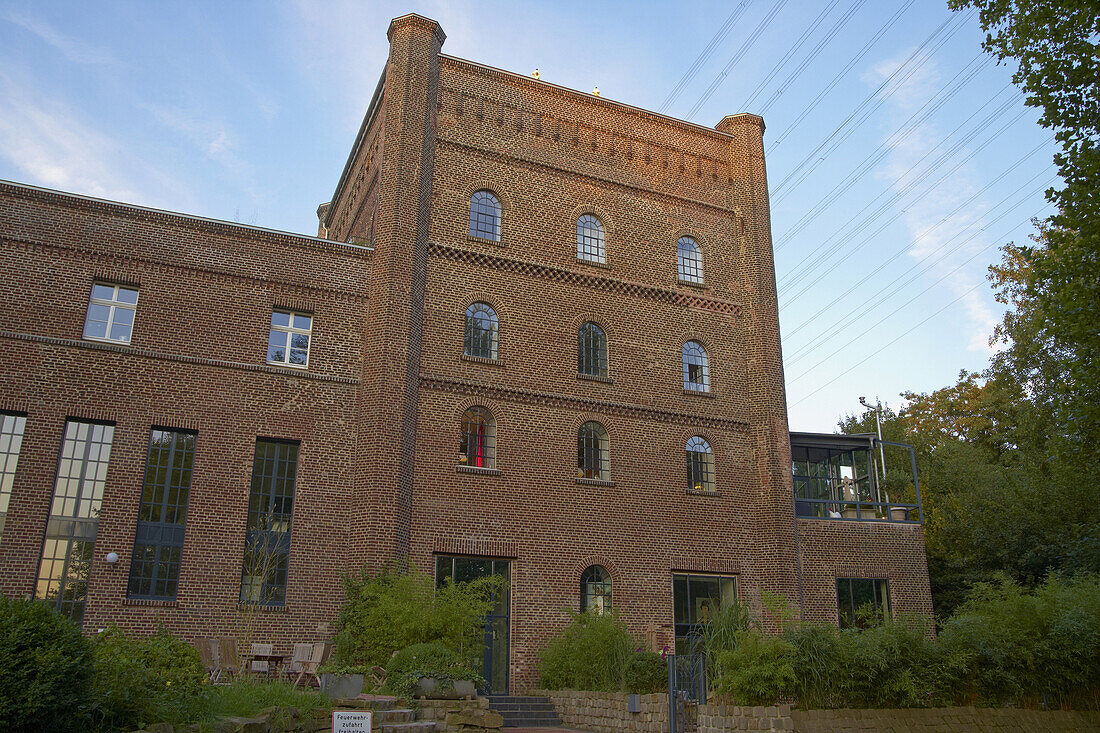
(1052, 334)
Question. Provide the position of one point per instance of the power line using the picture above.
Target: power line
(887, 204)
(842, 73)
(813, 54)
(859, 311)
(704, 55)
(756, 33)
(871, 99)
(799, 42)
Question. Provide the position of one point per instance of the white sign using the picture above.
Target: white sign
(351, 721)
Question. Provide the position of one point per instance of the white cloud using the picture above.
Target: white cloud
(51, 146)
(939, 233)
(73, 49)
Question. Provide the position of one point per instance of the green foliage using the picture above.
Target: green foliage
(646, 673)
(393, 610)
(43, 667)
(591, 653)
(431, 659)
(140, 681)
(1027, 644)
(758, 671)
(1006, 645)
(721, 633)
(247, 697)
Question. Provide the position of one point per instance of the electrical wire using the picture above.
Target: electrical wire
(704, 55)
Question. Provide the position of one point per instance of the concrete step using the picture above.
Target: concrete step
(420, 726)
(525, 711)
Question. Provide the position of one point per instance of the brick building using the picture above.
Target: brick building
(536, 335)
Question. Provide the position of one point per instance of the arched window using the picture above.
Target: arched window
(478, 445)
(696, 374)
(481, 331)
(700, 465)
(590, 239)
(592, 452)
(595, 589)
(689, 260)
(591, 351)
(485, 216)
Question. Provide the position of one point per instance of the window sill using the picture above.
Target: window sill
(479, 471)
(693, 492)
(482, 360)
(690, 284)
(698, 393)
(113, 342)
(594, 482)
(593, 263)
(483, 240)
(154, 602)
(594, 378)
(284, 365)
(261, 608)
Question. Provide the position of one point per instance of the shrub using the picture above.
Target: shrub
(758, 671)
(891, 665)
(720, 633)
(43, 667)
(819, 662)
(427, 660)
(589, 654)
(141, 681)
(246, 697)
(393, 610)
(646, 673)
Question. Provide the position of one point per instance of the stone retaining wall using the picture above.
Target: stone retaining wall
(716, 718)
(946, 720)
(605, 712)
(437, 710)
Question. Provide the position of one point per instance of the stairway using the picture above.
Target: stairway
(388, 717)
(525, 711)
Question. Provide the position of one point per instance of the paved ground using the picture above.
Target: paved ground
(542, 730)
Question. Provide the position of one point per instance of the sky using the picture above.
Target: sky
(900, 157)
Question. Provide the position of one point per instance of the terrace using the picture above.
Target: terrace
(855, 478)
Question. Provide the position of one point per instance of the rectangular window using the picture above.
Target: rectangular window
(862, 602)
(111, 313)
(288, 340)
(74, 516)
(694, 599)
(11, 441)
(267, 535)
(162, 515)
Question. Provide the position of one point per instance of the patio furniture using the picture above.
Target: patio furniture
(208, 652)
(228, 658)
(259, 661)
(299, 657)
(319, 655)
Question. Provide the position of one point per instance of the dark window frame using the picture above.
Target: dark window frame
(700, 464)
(596, 589)
(477, 445)
(158, 539)
(592, 351)
(593, 452)
(481, 337)
(848, 607)
(485, 215)
(269, 526)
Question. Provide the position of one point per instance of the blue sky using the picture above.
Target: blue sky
(897, 166)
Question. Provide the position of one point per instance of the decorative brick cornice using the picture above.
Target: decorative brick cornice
(696, 564)
(579, 404)
(172, 218)
(162, 356)
(585, 279)
(630, 182)
(477, 547)
(127, 271)
(572, 96)
(412, 20)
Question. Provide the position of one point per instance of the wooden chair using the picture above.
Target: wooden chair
(298, 659)
(317, 658)
(228, 658)
(260, 666)
(207, 652)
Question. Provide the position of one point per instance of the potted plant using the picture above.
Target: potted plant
(899, 513)
(339, 682)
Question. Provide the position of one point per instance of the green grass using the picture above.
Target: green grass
(248, 697)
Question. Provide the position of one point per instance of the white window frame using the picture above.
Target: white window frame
(114, 305)
(291, 331)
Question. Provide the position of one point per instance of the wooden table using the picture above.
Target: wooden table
(274, 661)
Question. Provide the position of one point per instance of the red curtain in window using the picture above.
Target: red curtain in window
(480, 445)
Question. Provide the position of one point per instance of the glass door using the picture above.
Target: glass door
(497, 623)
